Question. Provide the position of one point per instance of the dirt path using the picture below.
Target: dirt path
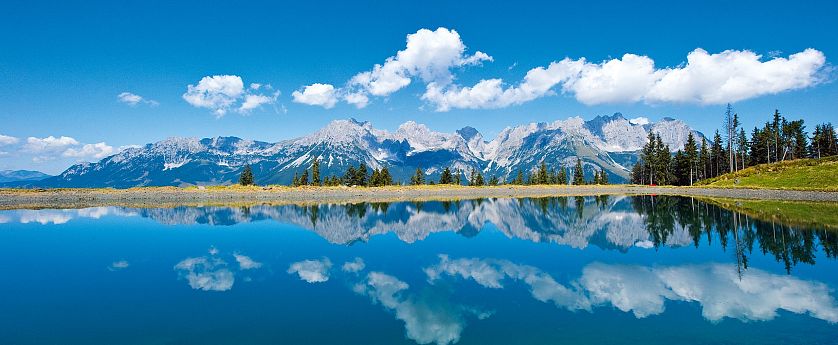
(153, 196)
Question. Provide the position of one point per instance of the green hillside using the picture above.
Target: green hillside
(802, 174)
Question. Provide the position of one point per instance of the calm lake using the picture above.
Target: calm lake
(575, 270)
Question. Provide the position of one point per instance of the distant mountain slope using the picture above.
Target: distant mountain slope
(21, 175)
(609, 143)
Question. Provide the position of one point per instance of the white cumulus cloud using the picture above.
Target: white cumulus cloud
(729, 76)
(429, 55)
(90, 151)
(222, 93)
(316, 94)
(8, 140)
(354, 266)
(312, 271)
(246, 262)
(206, 273)
(49, 143)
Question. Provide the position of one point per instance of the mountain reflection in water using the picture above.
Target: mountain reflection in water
(549, 270)
(608, 222)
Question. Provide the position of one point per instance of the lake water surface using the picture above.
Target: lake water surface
(645, 270)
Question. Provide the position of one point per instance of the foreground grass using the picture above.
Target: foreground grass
(800, 174)
(799, 213)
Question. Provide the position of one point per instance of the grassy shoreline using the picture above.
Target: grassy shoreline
(32, 198)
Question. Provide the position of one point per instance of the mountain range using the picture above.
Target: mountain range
(21, 175)
(610, 143)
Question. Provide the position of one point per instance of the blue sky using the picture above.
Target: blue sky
(62, 67)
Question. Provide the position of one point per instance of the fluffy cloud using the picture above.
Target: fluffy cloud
(49, 143)
(8, 140)
(317, 94)
(426, 320)
(90, 151)
(429, 55)
(756, 295)
(134, 99)
(206, 273)
(491, 273)
(354, 266)
(312, 271)
(221, 93)
(246, 263)
(705, 78)
(432, 56)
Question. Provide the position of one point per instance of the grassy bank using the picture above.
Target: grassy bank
(800, 174)
(799, 213)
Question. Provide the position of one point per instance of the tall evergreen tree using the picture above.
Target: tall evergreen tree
(542, 174)
(349, 176)
(562, 176)
(718, 156)
(494, 180)
(361, 175)
(578, 174)
(315, 172)
(691, 152)
(303, 178)
(445, 177)
(418, 177)
(246, 177)
(519, 178)
(386, 178)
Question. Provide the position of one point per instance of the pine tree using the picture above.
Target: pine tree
(493, 181)
(458, 177)
(361, 175)
(349, 176)
(704, 161)
(445, 177)
(304, 178)
(596, 177)
(478, 180)
(717, 156)
(578, 174)
(418, 178)
(561, 178)
(246, 177)
(542, 174)
(386, 178)
(691, 152)
(603, 177)
(742, 145)
(519, 179)
(375, 178)
(315, 172)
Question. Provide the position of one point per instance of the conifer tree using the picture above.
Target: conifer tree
(361, 175)
(578, 174)
(691, 152)
(418, 178)
(562, 176)
(304, 178)
(478, 180)
(542, 174)
(519, 178)
(246, 177)
(315, 172)
(603, 177)
(445, 177)
(349, 176)
(386, 178)
(494, 180)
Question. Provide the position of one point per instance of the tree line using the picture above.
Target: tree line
(777, 140)
(361, 176)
